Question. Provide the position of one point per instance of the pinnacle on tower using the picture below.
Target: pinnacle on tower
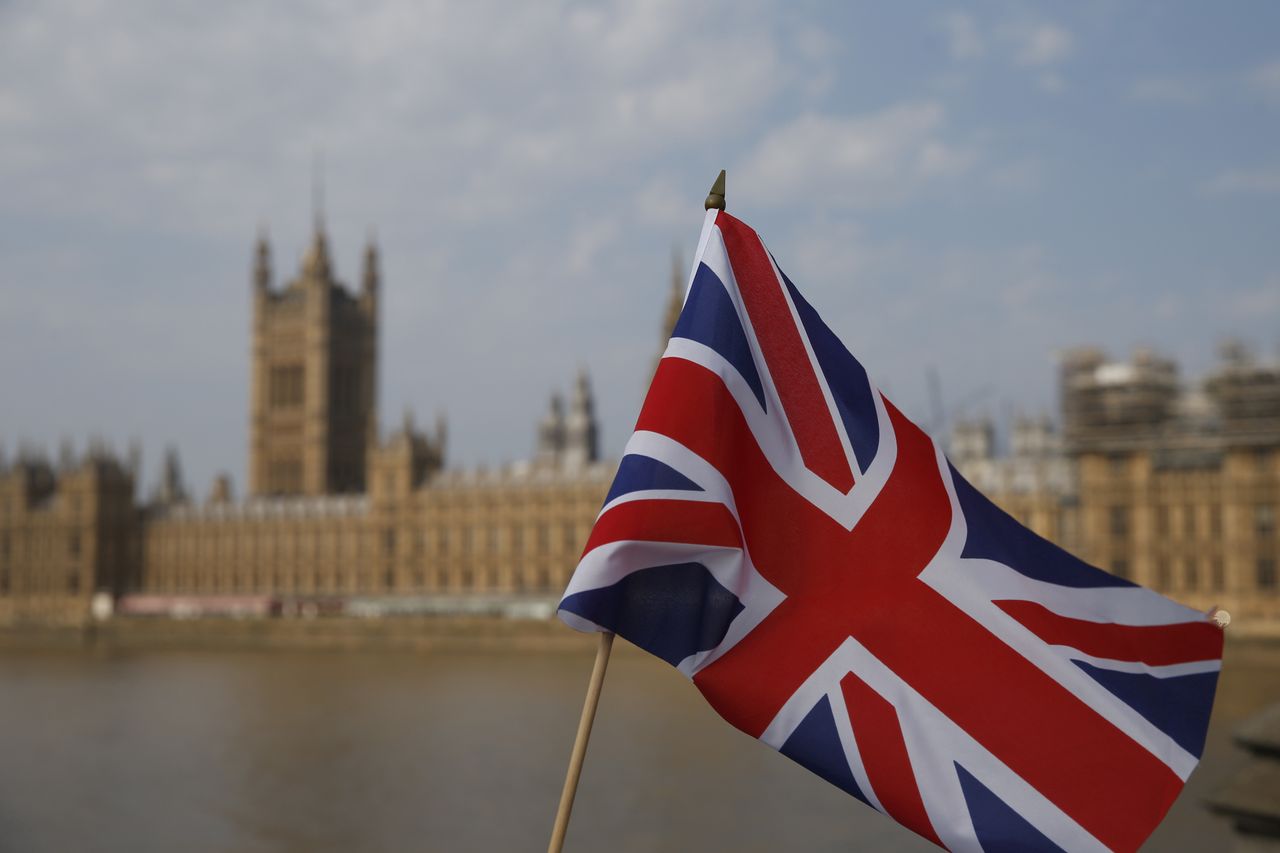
(262, 262)
(583, 401)
(369, 281)
(442, 432)
(66, 455)
(171, 489)
(317, 191)
(133, 465)
(315, 264)
(551, 433)
(580, 430)
(675, 303)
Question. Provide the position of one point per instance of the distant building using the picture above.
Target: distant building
(313, 390)
(1176, 486)
(332, 509)
(1034, 482)
(65, 532)
(1173, 485)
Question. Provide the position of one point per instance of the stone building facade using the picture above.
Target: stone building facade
(313, 405)
(1180, 486)
(333, 510)
(1176, 486)
(1173, 485)
(67, 529)
(1034, 482)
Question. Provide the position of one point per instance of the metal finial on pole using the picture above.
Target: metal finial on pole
(715, 198)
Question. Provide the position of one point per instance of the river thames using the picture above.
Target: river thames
(457, 751)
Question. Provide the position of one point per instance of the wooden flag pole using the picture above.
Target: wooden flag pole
(580, 743)
(715, 201)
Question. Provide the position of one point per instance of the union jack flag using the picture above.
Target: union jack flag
(780, 533)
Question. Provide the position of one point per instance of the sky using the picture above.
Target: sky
(965, 193)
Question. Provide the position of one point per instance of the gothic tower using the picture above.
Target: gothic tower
(551, 434)
(675, 301)
(675, 304)
(581, 434)
(313, 404)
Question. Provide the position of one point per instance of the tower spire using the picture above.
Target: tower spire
(317, 191)
(675, 302)
(315, 263)
(369, 278)
(262, 261)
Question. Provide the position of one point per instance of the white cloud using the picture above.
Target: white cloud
(1018, 176)
(186, 109)
(964, 40)
(853, 161)
(1245, 182)
(815, 44)
(1029, 43)
(1038, 44)
(587, 243)
(1052, 83)
(1167, 90)
(1265, 79)
(527, 168)
(665, 202)
(499, 150)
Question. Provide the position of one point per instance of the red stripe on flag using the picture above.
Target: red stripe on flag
(878, 731)
(693, 522)
(1154, 645)
(784, 351)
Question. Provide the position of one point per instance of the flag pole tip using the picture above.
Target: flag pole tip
(715, 198)
(1220, 617)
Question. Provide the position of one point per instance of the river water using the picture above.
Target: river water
(241, 751)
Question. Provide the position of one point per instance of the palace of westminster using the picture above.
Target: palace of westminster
(1172, 484)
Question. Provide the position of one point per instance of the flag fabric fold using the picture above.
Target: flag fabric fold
(784, 536)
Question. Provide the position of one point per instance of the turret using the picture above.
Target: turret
(551, 433)
(221, 491)
(1033, 438)
(262, 263)
(369, 278)
(972, 441)
(675, 302)
(580, 431)
(370, 281)
(442, 435)
(1246, 392)
(66, 456)
(133, 463)
(315, 263)
(170, 489)
(405, 461)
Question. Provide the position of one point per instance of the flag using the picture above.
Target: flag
(784, 536)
